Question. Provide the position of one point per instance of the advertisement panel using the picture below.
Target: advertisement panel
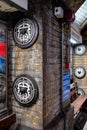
(2, 50)
(3, 100)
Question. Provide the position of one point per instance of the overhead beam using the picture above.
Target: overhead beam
(21, 4)
(83, 26)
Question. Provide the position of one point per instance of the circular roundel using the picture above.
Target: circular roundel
(25, 90)
(80, 50)
(25, 32)
(79, 72)
(80, 91)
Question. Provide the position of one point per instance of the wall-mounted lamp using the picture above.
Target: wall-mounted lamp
(58, 12)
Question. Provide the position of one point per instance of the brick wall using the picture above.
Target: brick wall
(81, 61)
(42, 61)
(74, 5)
(52, 40)
(69, 119)
(52, 65)
(27, 61)
(59, 126)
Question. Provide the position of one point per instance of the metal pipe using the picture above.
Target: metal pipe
(62, 59)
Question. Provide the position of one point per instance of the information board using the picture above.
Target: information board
(66, 86)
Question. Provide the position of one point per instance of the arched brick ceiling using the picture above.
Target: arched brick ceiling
(74, 4)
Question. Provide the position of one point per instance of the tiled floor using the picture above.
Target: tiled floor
(20, 127)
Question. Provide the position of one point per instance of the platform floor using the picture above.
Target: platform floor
(19, 127)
